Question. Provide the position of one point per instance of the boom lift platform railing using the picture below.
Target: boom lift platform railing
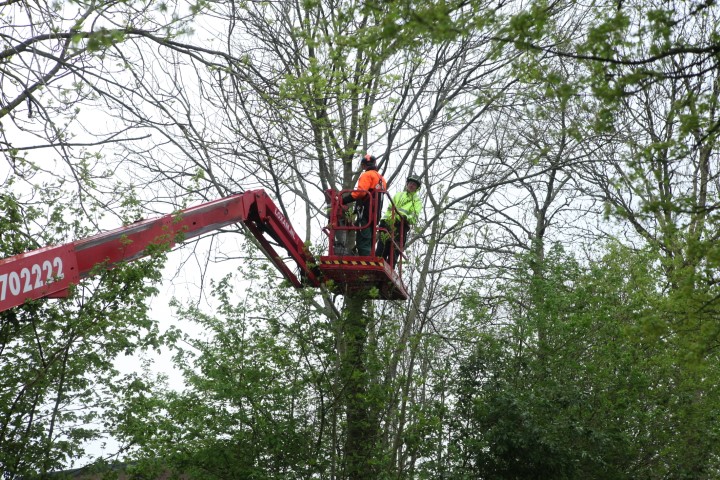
(357, 273)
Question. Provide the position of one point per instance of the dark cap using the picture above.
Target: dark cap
(368, 160)
(415, 179)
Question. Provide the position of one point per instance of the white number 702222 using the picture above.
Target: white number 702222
(32, 278)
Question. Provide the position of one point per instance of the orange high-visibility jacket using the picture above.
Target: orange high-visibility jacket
(369, 180)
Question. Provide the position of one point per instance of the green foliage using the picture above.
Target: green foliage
(587, 380)
(599, 371)
(57, 364)
(605, 38)
(529, 26)
(256, 398)
(98, 40)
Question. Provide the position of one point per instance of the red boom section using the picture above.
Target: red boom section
(48, 272)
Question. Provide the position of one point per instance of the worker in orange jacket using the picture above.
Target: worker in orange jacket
(370, 180)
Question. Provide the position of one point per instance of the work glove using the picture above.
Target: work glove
(347, 198)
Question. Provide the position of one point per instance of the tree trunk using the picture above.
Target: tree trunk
(362, 430)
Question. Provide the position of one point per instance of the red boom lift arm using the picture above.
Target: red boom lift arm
(49, 271)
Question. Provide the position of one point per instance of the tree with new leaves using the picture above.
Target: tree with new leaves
(61, 61)
(600, 398)
(57, 363)
(522, 119)
(293, 120)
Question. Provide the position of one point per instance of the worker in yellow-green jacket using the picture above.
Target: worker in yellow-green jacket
(399, 218)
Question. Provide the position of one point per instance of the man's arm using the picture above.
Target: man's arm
(409, 208)
(406, 207)
(367, 181)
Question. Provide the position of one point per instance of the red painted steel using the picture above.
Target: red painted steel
(371, 276)
(37, 274)
(355, 274)
(50, 271)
